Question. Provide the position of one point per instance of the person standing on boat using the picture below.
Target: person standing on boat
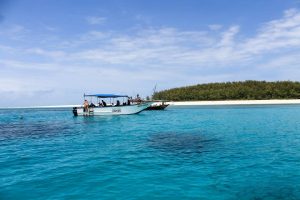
(85, 106)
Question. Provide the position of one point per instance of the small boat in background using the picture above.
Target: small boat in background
(109, 108)
(157, 104)
(160, 105)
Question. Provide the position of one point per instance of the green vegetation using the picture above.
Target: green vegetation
(246, 90)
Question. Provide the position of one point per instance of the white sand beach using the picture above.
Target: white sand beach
(42, 107)
(192, 103)
(235, 102)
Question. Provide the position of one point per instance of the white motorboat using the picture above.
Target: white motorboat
(110, 108)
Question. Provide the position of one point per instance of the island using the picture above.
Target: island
(241, 90)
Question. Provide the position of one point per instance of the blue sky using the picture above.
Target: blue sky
(51, 52)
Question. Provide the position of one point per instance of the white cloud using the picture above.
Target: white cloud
(8, 85)
(283, 62)
(94, 20)
(215, 27)
(7, 48)
(50, 28)
(43, 52)
(228, 36)
(14, 32)
(16, 29)
(143, 18)
(276, 35)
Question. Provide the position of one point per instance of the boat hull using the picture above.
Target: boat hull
(157, 106)
(160, 107)
(111, 110)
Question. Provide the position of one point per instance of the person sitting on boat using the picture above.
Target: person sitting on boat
(118, 103)
(92, 105)
(100, 104)
(104, 103)
(85, 106)
(138, 99)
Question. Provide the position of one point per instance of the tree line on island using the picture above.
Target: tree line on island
(242, 90)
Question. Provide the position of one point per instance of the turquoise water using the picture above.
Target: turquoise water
(181, 153)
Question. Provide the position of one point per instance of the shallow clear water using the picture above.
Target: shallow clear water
(182, 153)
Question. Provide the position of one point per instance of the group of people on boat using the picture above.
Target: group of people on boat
(86, 104)
(130, 100)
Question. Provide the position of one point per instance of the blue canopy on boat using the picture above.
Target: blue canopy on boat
(105, 95)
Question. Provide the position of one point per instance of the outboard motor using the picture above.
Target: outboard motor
(75, 111)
